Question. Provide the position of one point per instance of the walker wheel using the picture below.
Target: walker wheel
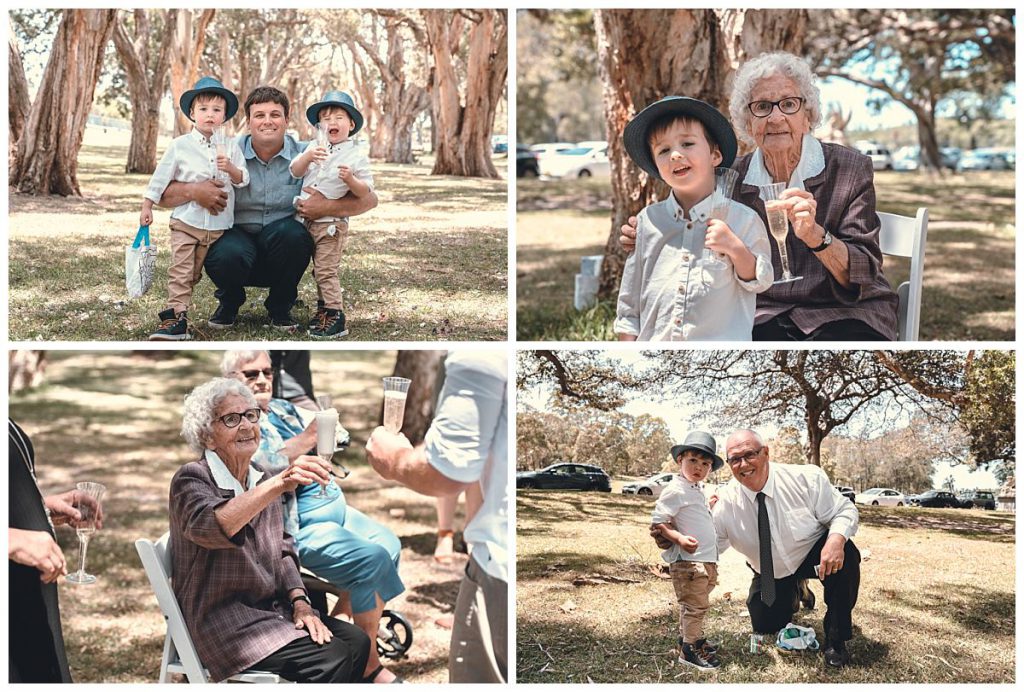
(394, 636)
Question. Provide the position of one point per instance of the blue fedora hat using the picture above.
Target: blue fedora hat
(340, 99)
(702, 442)
(209, 85)
(634, 137)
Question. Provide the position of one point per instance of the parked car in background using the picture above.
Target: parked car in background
(906, 159)
(880, 496)
(950, 157)
(651, 487)
(527, 165)
(983, 160)
(846, 492)
(881, 158)
(566, 476)
(934, 498)
(980, 499)
(547, 148)
(580, 162)
(499, 144)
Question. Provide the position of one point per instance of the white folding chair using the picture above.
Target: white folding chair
(180, 655)
(905, 236)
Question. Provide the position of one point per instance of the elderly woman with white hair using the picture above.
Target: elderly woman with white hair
(335, 541)
(830, 202)
(235, 571)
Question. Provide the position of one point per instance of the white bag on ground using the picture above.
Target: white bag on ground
(139, 264)
(796, 638)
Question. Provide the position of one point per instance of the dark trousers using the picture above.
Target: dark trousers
(276, 258)
(343, 659)
(841, 591)
(781, 328)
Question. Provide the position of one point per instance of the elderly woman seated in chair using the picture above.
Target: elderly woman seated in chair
(335, 541)
(236, 573)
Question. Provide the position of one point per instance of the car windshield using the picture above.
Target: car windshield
(580, 151)
(873, 491)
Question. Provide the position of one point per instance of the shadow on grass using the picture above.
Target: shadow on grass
(560, 505)
(959, 522)
(982, 611)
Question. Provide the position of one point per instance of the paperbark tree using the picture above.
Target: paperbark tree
(188, 40)
(47, 160)
(638, 66)
(146, 72)
(19, 103)
(464, 117)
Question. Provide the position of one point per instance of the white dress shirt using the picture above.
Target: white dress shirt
(192, 158)
(672, 290)
(468, 442)
(683, 505)
(323, 177)
(802, 506)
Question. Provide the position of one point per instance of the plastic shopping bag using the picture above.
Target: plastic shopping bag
(795, 638)
(139, 264)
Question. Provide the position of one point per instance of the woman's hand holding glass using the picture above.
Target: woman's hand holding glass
(304, 470)
(801, 210)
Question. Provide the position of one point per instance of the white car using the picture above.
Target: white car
(880, 496)
(881, 159)
(580, 162)
(545, 149)
(651, 487)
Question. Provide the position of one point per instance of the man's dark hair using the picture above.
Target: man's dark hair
(266, 94)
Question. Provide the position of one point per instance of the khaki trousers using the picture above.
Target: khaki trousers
(479, 649)
(693, 582)
(189, 246)
(327, 251)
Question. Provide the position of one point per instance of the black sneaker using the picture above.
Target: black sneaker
(691, 655)
(223, 317)
(173, 327)
(284, 322)
(330, 326)
(319, 315)
(836, 655)
(706, 646)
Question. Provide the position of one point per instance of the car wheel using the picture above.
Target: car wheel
(585, 173)
(644, 491)
(899, 504)
(528, 485)
(530, 173)
(875, 503)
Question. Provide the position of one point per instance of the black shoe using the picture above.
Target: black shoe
(284, 322)
(691, 655)
(836, 655)
(706, 646)
(173, 327)
(223, 317)
(331, 325)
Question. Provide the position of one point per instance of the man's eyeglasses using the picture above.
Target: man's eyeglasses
(233, 420)
(788, 105)
(253, 375)
(746, 456)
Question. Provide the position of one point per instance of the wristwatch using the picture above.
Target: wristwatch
(825, 242)
(302, 597)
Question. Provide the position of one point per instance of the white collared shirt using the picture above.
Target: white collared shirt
(812, 163)
(329, 184)
(672, 290)
(192, 158)
(223, 478)
(802, 506)
(684, 505)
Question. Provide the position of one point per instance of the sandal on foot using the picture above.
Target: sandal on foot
(377, 671)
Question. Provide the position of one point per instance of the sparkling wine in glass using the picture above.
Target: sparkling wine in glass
(396, 390)
(778, 225)
(88, 497)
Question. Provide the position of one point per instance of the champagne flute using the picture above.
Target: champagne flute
(326, 423)
(725, 183)
(396, 390)
(87, 501)
(778, 225)
(221, 146)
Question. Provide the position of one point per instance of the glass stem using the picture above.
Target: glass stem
(84, 540)
(785, 260)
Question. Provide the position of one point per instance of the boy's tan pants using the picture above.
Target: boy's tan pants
(327, 251)
(189, 246)
(693, 582)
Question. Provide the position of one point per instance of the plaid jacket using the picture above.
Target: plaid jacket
(845, 194)
(233, 592)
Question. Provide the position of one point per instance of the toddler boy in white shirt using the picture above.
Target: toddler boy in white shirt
(194, 157)
(699, 260)
(682, 524)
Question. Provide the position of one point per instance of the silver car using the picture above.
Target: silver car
(651, 487)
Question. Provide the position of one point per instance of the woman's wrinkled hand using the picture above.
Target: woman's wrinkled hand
(801, 208)
(304, 470)
(305, 618)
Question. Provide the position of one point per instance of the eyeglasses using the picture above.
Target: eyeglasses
(253, 375)
(746, 456)
(233, 420)
(788, 105)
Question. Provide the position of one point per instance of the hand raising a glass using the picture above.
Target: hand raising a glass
(88, 504)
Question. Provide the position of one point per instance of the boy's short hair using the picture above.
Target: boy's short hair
(266, 94)
(207, 97)
(329, 110)
(703, 456)
(662, 124)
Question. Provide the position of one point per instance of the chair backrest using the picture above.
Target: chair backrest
(156, 559)
(905, 236)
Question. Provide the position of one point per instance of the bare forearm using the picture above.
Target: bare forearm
(411, 468)
(235, 514)
(300, 444)
(176, 194)
(836, 258)
(744, 262)
(352, 205)
(300, 164)
(357, 187)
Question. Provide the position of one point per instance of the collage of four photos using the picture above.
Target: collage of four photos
(421, 452)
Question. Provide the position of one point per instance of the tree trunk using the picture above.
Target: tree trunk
(26, 369)
(188, 41)
(463, 127)
(47, 161)
(19, 103)
(636, 70)
(426, 370)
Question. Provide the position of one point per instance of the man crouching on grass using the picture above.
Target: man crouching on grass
(790, 524)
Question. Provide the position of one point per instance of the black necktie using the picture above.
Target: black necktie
(764, 537)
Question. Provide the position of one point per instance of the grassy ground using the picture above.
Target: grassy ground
(969, 266)
(936, 600)
(114, 418)
(429, 263)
